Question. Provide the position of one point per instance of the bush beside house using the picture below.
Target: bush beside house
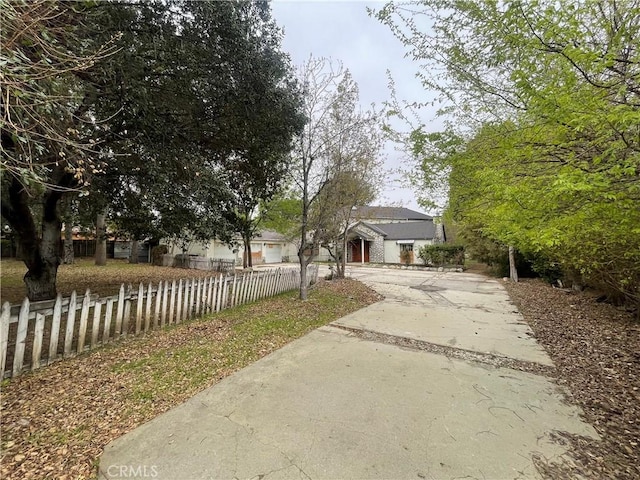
(440, 255)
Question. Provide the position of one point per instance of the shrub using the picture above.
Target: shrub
(156, 254)
(405, 257)
(437, 255)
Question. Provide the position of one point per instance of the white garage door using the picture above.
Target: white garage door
(273, 253)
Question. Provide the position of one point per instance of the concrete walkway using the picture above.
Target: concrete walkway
(416, 386)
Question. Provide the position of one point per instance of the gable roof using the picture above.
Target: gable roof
(388, 213)
(408, 230)
(374, 227)
(267, 235)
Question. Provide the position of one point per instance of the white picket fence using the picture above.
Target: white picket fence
(33, 335)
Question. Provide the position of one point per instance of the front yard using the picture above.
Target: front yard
(84, 274)
(57, 420)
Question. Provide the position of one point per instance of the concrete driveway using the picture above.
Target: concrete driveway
(440, 380)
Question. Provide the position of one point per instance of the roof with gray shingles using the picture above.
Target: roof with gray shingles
(408, 230)
(373, 227)
(388, 213)
(266, 235)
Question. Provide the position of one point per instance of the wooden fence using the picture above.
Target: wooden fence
(33, 335)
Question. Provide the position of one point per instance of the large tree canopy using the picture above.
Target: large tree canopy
(183, 112)
(543, 152)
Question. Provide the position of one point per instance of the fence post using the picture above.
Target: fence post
(38, 335)
(172, 302)
(119, 313)
(186, 304)
(252, 286)
(218, 292)
(139, 307)
(209, 302)
(84, 317)
(234, 291)
(165, 293)
(71, 318)
(106, 333)
(21, 337)
(198, 297)
(243, 289)
(179, 304)
(95, 328)
(147, 312)
(156, 313)
(55, 329)
(127, 311)
(4, 336)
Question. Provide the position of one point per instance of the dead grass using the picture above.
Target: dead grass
(57, 420)
(85, 275)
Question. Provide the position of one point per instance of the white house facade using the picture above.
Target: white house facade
(266, 247)
(382, 234)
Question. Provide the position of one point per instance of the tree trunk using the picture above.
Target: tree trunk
(247, 249)
(43, 262)
(135, 249)
(41, 281)
(343, 257)
(303, 235)
(101, 240)
(41, 255)
(513, 272)
(68, 241)
(303, 275)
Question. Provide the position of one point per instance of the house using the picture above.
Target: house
(266, 247)
(382, 234)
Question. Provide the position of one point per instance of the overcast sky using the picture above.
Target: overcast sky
(344, 31)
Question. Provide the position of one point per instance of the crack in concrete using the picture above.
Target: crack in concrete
(494, 360)
(252, 433)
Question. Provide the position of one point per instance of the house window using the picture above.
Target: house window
(406, 247)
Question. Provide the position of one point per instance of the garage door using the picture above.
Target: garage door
(273, 253)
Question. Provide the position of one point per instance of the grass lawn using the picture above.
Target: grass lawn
(84, 274)
(56, 421)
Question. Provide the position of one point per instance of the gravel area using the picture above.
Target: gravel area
(596, 349)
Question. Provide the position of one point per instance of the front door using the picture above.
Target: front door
(356, 251)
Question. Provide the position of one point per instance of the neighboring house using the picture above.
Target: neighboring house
(266, 247)
(381, 234)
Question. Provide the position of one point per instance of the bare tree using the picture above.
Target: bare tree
(323, 152)
(354, 167)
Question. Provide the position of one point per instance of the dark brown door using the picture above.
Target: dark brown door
(356, 251)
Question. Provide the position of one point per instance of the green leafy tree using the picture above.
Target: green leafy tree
(215, 75)
(545, 98)
(282, 214)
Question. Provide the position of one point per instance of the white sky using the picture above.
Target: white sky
(342, 30)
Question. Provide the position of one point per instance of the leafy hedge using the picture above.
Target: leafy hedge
(436, 255)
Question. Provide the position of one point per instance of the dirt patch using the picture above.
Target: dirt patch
(596, 350)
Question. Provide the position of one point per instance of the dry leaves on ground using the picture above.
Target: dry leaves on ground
(596, 349)
(57, 420)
